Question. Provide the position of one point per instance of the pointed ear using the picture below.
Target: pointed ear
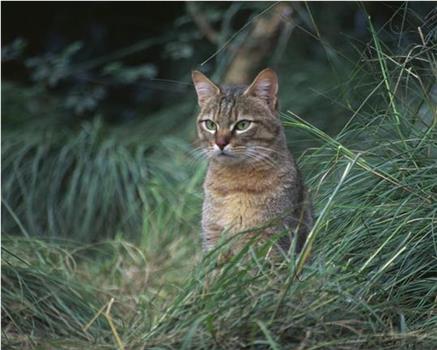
(205, 88)
(265, 87)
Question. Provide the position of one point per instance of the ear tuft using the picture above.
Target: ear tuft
(265, 87)
(205, 88)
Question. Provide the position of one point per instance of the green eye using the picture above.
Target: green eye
(210, 125)
(242, 125)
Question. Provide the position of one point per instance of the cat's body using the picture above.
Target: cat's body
(252, 179)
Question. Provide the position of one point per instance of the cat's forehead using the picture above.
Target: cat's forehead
(231, 104)
(233, 91)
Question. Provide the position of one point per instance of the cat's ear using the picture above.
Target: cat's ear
(205, 88)
(265, 87)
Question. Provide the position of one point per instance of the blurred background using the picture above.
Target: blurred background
(97, 99)
(75, 62)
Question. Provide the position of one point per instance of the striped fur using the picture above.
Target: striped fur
(254, 179)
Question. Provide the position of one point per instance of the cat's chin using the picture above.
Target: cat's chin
(225, 158)
(230, 160)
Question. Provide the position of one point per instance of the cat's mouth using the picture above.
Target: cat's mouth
(224, 154)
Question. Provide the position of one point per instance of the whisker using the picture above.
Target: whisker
(257, 153)
(261, 157)
(271, 150)
(264, 152)
(198, 154)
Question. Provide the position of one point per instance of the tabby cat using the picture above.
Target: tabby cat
(252, 178)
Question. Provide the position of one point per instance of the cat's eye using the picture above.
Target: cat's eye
(210, 125)
(242, 125)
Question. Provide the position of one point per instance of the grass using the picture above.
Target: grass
(100, 244)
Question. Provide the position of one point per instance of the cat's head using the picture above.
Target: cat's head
(238, 123)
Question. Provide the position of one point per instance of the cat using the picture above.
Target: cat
(252, 178)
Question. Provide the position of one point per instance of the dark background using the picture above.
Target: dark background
(172, 47)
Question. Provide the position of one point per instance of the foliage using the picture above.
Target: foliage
(100, 246)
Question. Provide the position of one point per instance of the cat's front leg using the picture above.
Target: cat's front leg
(211, 234)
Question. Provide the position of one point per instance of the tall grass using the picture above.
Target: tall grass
(86, 186)
(71, 279)
(371, 282)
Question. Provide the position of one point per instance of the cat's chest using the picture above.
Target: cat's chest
(242, 200)
(238, 210)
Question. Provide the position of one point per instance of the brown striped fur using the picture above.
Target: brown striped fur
(254, 179)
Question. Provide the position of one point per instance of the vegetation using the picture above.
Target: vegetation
(100, 243)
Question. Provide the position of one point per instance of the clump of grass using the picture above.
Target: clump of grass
(81, 186)
(41, 295)
(86, 186)
(64, 295)
(74, 274)
(372, 280)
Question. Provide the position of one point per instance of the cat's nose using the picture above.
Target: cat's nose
(221, 142)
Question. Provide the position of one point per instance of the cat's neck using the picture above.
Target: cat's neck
(224, 180)
(251, 176)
